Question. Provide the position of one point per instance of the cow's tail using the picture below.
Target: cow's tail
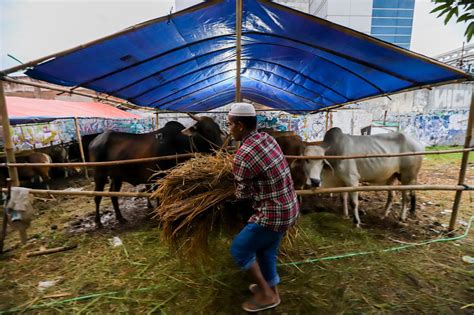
(413, 202)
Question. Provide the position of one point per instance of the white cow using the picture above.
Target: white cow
(375, 171)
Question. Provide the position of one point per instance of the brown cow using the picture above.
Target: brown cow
(291, 144)
(169, 140)
(276, 133)
(59, 154)
(32, 176)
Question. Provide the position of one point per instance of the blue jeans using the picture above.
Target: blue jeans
(256, 242)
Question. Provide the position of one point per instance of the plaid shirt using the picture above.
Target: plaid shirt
(262, 174)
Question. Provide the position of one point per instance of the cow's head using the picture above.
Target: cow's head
(205, 129)
(313, 168)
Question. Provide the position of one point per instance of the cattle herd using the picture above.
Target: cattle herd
(205, 136)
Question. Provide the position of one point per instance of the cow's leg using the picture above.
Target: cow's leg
(355, 202)
(115, 185)
(388, 205)
(407, 180)
(403, 213)
(412, 202)
(148, 188)
(100, 182)
(345, 204)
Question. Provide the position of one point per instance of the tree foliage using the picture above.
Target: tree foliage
(462, 9)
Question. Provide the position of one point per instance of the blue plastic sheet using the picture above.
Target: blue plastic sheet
(290, 61)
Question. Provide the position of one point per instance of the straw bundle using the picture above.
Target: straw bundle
(192, 204)
(190, 199)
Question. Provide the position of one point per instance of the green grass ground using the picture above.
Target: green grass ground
(145, 276)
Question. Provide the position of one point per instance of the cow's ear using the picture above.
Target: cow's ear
(326, 163)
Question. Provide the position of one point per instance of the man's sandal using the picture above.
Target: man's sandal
(256, 307)
(254, 288)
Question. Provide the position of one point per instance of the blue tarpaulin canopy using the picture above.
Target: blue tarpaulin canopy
(290, 61)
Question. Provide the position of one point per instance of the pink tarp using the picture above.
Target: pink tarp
(20, 107)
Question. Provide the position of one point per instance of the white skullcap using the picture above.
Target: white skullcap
(242, 109)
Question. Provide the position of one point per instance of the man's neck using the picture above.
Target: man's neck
(246, 133)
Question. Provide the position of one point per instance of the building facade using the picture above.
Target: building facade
(462, 58)
(388, 20)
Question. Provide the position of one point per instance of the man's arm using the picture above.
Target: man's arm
(243, 176)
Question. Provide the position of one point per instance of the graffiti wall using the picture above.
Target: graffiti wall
(443, 128)
(309, 127)
(30, 136)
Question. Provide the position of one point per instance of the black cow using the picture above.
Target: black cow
(173, 138)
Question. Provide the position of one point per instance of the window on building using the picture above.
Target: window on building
(405, 4)
(392, 13)
(391, 30)
(391, 22)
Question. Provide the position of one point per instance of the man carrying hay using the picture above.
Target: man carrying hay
(263, 175)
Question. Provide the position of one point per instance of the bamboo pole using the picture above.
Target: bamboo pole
(79, 142)
(187, 155)
(238, 49)
(327, 121)
(51, 250)
(86, 193)
(382, 188)
(5, 216)
(305, 192)
(365, 156)
(108, 163)
(465, 159)
(7, 140)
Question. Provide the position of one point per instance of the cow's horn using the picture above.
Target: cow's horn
(196, 118)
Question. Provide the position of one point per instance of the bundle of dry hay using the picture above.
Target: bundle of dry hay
(191, 203)
(189, 196)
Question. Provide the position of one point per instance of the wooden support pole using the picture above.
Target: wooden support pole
(306, 192)
(7, 140)
(51, 250)
(3, 234)
(79, 142)
(89, 193)
(327, 121)
(465, 159)
(238, 49)
(190, 155)
(366, 156)
(108, 163)
(331, 123)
